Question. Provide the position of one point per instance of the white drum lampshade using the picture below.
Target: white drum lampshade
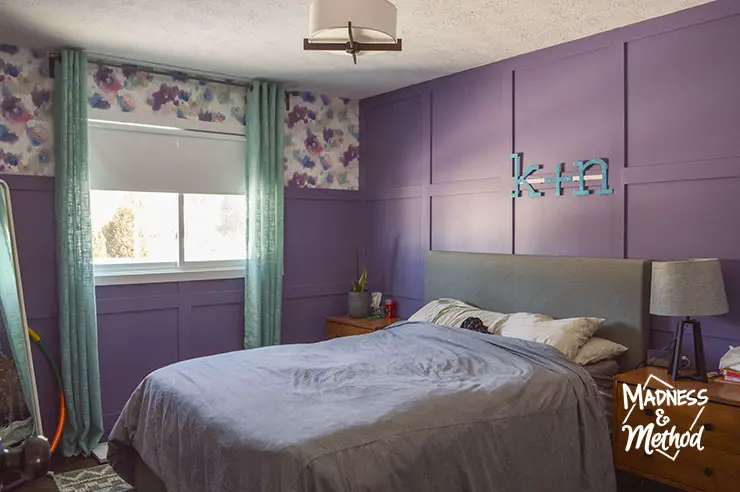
(372, 24)
(373, 21)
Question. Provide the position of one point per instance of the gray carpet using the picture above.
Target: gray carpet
(97, 479)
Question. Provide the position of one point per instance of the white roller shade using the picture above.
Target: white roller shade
(132, 158)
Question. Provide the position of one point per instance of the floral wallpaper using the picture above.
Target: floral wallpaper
(321, 132)
(322, 142)
(26, 132)
(133, 95)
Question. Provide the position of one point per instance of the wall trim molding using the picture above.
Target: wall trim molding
(720, 168)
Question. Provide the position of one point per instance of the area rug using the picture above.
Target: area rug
(96, 479)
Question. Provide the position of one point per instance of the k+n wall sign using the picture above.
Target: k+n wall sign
(525, 177)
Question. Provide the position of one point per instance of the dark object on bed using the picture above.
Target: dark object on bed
(474, 324)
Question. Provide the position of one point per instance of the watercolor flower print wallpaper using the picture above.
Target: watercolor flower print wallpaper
(322, 142)
(26, 131)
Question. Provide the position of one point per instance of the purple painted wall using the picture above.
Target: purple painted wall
(145, 327)
(660, 99)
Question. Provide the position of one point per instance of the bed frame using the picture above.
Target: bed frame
(614, 289)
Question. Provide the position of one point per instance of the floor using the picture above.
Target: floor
(58, 465)
(625, 481)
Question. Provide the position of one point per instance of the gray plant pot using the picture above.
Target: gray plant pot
(358, 304)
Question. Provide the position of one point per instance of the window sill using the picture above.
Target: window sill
(164, 276)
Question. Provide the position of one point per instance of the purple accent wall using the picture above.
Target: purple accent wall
(659, 99)
(145, 327)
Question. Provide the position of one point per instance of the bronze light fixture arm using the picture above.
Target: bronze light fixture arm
(352, 47)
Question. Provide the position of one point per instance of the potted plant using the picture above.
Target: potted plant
(358, 299)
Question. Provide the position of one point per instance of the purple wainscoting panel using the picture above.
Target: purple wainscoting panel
(476, 223)
(33, 207)
(208, 286)
(659, 92)
(397, 264)
(214, 329)
(568, 111)
(684, 103)
(320, 238)
(133, 344)
(472, 130)
(136, 291)
(399, 144)
(684, 219)
(304, 318)
(568, 225)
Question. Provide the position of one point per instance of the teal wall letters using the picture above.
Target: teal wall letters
(520, 177)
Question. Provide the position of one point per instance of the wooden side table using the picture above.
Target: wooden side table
(716, 467)
(345, 326)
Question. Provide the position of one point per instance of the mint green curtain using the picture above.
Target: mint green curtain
(11, 319)
(263, 289)
(78, 329)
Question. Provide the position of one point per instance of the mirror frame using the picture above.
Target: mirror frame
(5, 190)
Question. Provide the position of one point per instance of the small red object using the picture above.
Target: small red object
(390, 308)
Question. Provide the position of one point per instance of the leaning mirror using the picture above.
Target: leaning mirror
(20, 416)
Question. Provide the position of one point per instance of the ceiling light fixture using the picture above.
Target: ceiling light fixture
(352, 26)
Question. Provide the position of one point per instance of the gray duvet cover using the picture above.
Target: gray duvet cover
(416, 407)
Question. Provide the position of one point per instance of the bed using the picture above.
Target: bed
(413, 407)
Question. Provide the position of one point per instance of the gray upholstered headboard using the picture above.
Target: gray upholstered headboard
(562, 287)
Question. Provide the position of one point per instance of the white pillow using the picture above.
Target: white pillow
(451, 312)
(598, 349)
(432, 310)
(566, 335)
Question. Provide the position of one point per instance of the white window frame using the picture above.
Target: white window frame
(160, 272)
(126, 273)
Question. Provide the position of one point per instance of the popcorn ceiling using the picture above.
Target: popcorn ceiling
(263, 38)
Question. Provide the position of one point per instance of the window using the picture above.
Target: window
(166, 204)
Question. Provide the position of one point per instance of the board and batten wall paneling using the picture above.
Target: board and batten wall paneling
(658, 99)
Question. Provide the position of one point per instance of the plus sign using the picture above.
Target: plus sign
(559, 179)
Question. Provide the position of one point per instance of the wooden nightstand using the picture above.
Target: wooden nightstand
(344, 326)
(716, 467)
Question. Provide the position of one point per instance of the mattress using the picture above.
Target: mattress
(413, 407)
(603, 373)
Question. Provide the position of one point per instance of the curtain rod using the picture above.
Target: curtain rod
(174, 71)
(149, 67)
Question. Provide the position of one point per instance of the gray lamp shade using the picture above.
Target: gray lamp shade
(688, 288)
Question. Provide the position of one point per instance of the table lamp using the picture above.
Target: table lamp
(688, 288)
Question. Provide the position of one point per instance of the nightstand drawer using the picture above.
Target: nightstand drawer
(707, 470)
(721, 423)
(335, 330)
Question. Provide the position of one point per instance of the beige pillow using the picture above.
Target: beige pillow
(566, 335)
(451, 312)
(434, 309)
(598, 349)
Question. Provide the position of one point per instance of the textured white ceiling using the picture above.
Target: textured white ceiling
(263, 38)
